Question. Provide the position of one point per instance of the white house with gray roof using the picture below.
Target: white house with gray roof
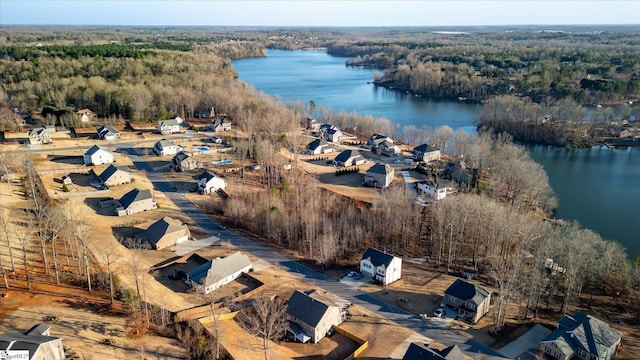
(165, 147)
(39, 136)
(97, 155)
(317, 147)
(310, 316)
(209, 183)
(469, 300)
(437, 190)
(426, 153)
(171, 126)
(581, 336)
(135, 201)
(379, 175)
(348, 158)
(106, 132)
(219, 271)
(381, 266)
(33, 344)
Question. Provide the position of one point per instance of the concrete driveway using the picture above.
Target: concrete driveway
(527, 342)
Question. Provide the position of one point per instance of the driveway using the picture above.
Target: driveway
(190, 246)
(527, 342)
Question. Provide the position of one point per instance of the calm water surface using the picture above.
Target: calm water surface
(598, 187)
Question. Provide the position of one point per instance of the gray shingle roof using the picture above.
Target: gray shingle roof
(306, 308)
(164, 143)
(380, 168)
(107, 173)
(418, 351)
(29, 340)
(134, 195)
(467, 291)
(347, 154)
(317, 143)
(156, 231)
(583, 331)
(424, 148)
(94, 149)
(206, 175)
(377, 257)
(219, 268)
(180, 157)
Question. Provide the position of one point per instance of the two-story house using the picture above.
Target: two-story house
(469, 300)
(317, 147)
(379, 176)
(426, 153)
(310, 316)
(165, 147)
(171, 126)
(581, 336)
(381, 266)
(97, 155)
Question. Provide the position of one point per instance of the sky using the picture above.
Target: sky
(374, 13)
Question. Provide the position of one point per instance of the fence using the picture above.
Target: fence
(77, 170)
(364, 344)
(78, 194)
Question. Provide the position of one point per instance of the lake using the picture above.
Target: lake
(598, 187)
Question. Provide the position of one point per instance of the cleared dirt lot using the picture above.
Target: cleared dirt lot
(81, 329)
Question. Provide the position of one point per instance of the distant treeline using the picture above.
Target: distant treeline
(590, 68)
(78, 51)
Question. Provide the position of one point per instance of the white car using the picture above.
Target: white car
(352, 274)
(440, 312)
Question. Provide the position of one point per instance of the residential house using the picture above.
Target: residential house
(318, 146)
(388, 148)
(219, 272)
(581, 336)
(97, 155)
(376, 140)
(312, 124)
(381, 266)
(379, 175)
(33, 344)
(106, 132)
(324, 128)
(166, 147)
(469, 300)
(171, 126)
(135, 201)
(310, 316)
(426, 153)
(164, 233)
(210, 183)
(461, 174)
(348, 158)
(113, 176)
(333, 135)
(85, 115)
(183, 162)
(221, 125)
(438, 189)
(205, 113)
(39, 136)
(434, 351)
(626, 133)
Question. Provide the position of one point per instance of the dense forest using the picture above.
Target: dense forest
(495, 226)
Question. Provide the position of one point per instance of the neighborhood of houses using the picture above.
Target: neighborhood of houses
(311, 315)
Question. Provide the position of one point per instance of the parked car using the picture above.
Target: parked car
(358, 276)
(352, 274)
(440, 312)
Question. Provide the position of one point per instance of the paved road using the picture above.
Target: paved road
(430, 329)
